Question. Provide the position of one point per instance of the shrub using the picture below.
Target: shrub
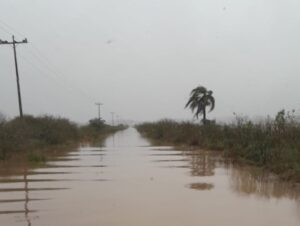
(35, 132)
(271, 143)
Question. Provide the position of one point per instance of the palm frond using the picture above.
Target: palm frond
(198, 90)
(210, 102)
(193, 105)
(193, 99)
(189, 102)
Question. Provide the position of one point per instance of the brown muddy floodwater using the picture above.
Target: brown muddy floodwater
(129, 182)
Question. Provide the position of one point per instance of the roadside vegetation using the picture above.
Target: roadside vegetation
(33, 136)
(96, 130)
(272, 143)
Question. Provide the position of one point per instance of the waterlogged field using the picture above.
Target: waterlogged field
(130, 182)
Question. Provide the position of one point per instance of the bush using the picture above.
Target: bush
(31, 134)
(35, 132)
(271, 143)
(97, 130)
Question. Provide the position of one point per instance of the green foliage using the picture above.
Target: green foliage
(19, 135)
(97, 123)
(30, 134)
(97, 130)
(36, 157)
(274, 144)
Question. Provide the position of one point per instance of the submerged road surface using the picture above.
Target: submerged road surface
(128, 182)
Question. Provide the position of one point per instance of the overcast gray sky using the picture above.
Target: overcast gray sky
(141, 58)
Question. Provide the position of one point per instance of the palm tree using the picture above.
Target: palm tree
(200, 98)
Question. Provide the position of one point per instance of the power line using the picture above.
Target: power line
(51, 71)
(8, 27)
(5, 30)
(49, 76)
(52, 77)
(37, 54)
(46, 64)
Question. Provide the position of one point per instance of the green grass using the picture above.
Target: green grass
(273, 143)
(36, 156)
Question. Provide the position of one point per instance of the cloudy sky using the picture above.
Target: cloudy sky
(141, 58)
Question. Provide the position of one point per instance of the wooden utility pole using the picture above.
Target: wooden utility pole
(99, 105)
(16, 66)
(112, 118)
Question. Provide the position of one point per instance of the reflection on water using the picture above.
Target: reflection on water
(201, 186)
(129, 182)
(252, 181)
(201, 162)
(26, 199)
(29, 189)
(19, 200)
(242, 179)
(44, 179)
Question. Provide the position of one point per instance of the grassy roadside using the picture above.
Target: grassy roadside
(97, 130)
(34, 138)
(273, 144)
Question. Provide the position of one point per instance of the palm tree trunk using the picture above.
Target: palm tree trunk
(204, 115)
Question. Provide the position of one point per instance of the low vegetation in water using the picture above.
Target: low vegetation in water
(97, 129)
(273, 143)
(29, 135)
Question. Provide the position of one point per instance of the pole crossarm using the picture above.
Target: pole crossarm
(4, 42)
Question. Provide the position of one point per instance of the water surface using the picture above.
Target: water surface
(129, 182)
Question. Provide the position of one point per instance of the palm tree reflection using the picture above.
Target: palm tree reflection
(201, 163)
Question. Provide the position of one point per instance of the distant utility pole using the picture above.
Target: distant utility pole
(16, 66)
(99, 105)
(112, 118)
(118, 119)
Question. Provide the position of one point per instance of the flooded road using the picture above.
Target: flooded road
(129, 182)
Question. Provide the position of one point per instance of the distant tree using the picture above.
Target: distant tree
(2, 117)
(200, 98)
(97, 123)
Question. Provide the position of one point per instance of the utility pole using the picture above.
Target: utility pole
(119, 121)
(99, 105)
(112, 118)
(16, 66)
